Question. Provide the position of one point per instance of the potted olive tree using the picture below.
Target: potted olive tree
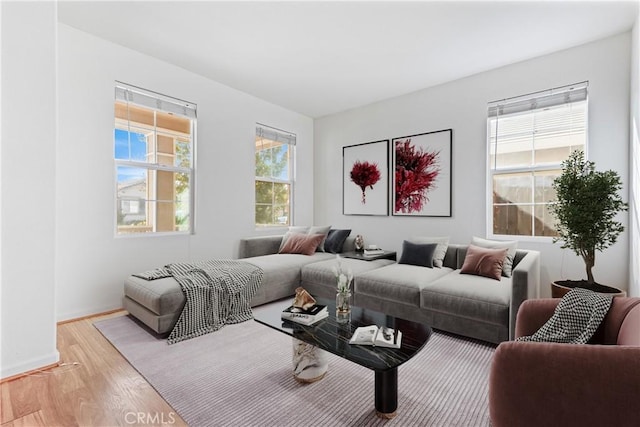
(586, 207)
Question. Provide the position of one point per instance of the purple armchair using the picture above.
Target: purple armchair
(546, 384)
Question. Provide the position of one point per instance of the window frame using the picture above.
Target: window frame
(174, 106)
(286, 137)
(532, 169)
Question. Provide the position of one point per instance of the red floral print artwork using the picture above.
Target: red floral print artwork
(365, 174)
(416, 173)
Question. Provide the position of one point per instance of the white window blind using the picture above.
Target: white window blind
(272, 134)
(539, 100)
(156, 101)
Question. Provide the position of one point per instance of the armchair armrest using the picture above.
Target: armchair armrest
(533, 314)
(536, 384)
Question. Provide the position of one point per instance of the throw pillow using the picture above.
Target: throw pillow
(335, 240)
(304, 229)
(441, 249)
(511, 247)
(418, 254)
(286, 237)
(324, 230)
(484, 262)
(299, 243)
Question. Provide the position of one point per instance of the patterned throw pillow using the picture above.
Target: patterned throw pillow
(299, 243)
(418, 254)
(484, 262)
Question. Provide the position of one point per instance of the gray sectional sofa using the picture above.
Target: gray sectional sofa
(158, 303)
(473, 306)
(469, 305)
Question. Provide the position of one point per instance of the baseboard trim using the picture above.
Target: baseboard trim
(26, 369)
(90, 316)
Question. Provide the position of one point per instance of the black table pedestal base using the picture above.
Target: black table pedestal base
(386, 393)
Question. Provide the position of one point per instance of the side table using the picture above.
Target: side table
(360, 255)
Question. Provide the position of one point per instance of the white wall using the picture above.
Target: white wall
(462, 105)
(27, 234)
(634, 156)
(91, 263)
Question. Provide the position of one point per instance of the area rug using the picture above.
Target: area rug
(241, 376)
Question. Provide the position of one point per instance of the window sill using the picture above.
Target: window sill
(506, 237)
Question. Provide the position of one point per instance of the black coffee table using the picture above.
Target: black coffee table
(333, 337)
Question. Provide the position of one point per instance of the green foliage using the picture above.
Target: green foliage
(272, 198)
(183, 154)
(586, 206)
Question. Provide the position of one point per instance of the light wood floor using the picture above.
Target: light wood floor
(94, 386)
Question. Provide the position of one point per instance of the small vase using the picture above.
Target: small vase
(343, 307)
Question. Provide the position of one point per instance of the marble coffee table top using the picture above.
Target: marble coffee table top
(329, 335)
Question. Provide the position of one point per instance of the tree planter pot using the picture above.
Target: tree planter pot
(560, 287)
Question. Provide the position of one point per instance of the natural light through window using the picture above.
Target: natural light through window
(274, 162)
(154, 139)
(528, 138)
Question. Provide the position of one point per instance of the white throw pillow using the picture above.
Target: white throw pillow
(511, 247)
(441, 249)
(320, 230)
(304, 229)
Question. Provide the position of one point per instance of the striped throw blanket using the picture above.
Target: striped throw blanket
(218, 292)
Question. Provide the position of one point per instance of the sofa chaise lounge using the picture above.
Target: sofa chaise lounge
(158, 303)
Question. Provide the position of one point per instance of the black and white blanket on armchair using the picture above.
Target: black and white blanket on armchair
(575, 319)
(218, 292)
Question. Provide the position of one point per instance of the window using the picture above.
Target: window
(528, 138)
(154, 140)
(274, 176)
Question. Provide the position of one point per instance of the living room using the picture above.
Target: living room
(67, 264)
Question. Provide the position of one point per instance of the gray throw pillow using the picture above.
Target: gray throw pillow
(335, 240)
(441, 249)
(418, 254)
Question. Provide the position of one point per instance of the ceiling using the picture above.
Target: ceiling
(319, 58)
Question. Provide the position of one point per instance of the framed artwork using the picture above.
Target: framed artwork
(365, 178)
(422, 174)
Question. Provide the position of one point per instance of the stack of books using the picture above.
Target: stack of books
(306, 317)
(371, 252)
